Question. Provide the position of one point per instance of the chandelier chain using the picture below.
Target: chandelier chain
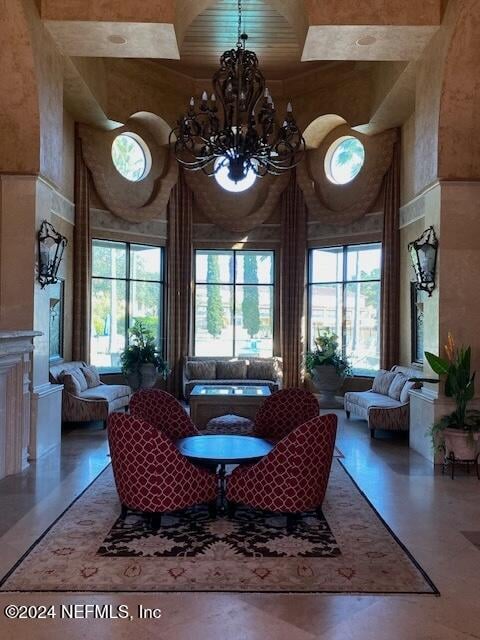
(239, 22)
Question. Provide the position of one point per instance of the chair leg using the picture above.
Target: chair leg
(319, 513)
(231, 508)
(155, 521)
(372, 433)
(212, 509)
(348, 414)
(104, 424)
(123, 512)
(292, 521)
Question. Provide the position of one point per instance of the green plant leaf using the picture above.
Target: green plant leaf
(439, 365)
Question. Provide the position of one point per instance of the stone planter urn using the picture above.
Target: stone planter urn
(327, 383)
(461, 444)
(145, 378)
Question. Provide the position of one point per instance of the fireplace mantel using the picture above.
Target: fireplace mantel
(15, 366)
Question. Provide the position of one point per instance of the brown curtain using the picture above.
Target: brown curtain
(390, 347)
(179, 265)
(292, 290)
(82, 259)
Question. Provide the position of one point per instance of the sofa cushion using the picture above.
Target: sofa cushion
(407, 387)
(70, 383)
(91, 376)
(108, 392)
(368, 399)
(382, 381)
(232, 370)
(201, 369)
(397, 385)
(262, 370)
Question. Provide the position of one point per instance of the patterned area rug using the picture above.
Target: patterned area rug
(347, 550)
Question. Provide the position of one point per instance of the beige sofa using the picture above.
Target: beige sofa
(96, 401)
(387, 405)
(222, 371)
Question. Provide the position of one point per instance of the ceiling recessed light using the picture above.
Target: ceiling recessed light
(117, 39)
(366, 41)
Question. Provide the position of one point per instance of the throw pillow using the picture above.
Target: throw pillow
(407, 387)
(397, 385)
(233, 370)
(262, 370)
(71, 384)
(382, 381)
(79, 377)
(91, 376)
(200, 369)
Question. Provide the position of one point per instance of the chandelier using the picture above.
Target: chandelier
(236, 128)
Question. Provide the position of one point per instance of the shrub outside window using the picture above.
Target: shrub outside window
(344, 295)
(234, 303)
(127, 285)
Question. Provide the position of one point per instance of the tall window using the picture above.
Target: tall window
(127, 285)
(344, 296)
(234, 300)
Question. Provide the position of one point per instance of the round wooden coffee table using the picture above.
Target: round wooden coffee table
(220, 450)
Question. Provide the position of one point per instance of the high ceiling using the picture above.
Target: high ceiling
(276, 42)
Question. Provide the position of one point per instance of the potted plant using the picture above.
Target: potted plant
(327, 366)
(140, 360)
(458, 433)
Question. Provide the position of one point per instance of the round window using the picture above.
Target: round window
(344, 160)
(131, 156)
(223, 179)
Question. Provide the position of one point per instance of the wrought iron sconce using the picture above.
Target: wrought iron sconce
(423, 253)
(51, 246)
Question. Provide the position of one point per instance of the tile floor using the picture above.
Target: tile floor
(436, 518)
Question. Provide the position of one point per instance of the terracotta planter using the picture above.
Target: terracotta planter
(461, 444)
(327, 384)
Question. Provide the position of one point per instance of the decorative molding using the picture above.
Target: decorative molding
(47, 389)
(134, 202)
(372, 223)
(206, 232)
(415, 209)
(102, 220)
(60, 205)
(345, 204)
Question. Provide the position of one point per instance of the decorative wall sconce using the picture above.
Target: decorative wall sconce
(423, 253)
(51, 246)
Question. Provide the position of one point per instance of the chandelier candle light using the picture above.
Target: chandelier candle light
(236, 128)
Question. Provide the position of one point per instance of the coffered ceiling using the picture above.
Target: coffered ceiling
(312, 51)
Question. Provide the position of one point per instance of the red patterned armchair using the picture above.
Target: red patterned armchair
(293, 477)
(150, 473)
(163, 411)
(283, 411)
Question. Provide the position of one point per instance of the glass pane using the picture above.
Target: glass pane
(363, 326)
(145, 262)
(364, 262)
(254, 267)
(146, 305)
(213, 320)
(254, 321)
(326, 265)
(214, 266)
(346, 160)
(109, 259)
(108, 322)
(325, 310)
